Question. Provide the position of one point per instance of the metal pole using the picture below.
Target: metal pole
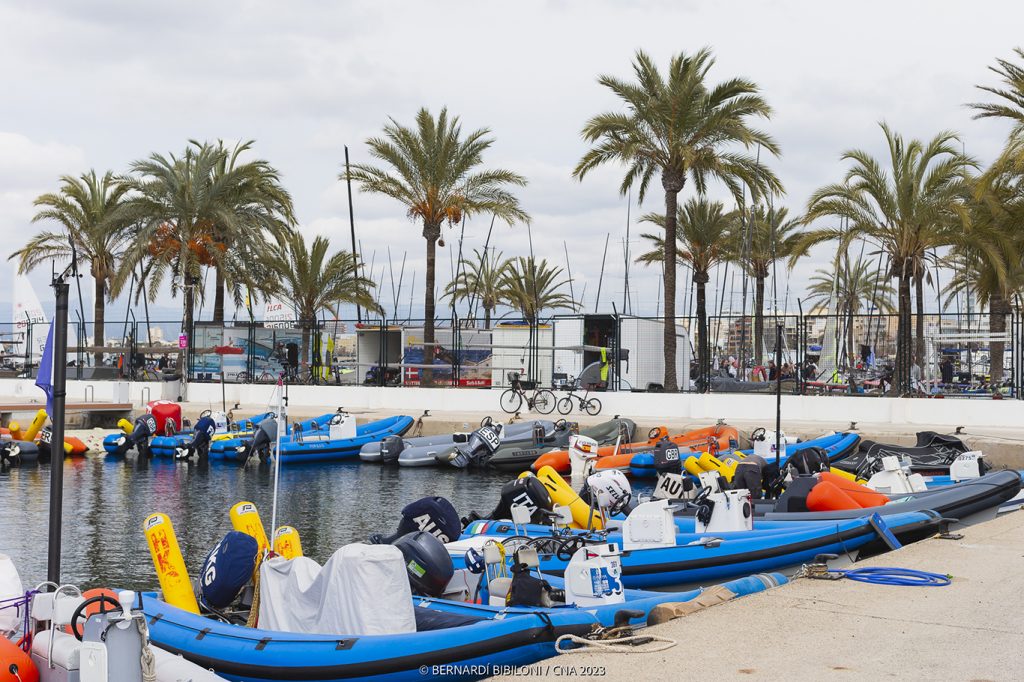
(352, 225)
(597, 301)
(60, 348)
(778, 394)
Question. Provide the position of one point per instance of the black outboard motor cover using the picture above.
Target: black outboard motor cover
(143, 428)
(527, 491)
(45, 443)
(809, 461)
(433, 515)
(390, 448)
(427, 563)
(228, 567)
(666, 457)
(481, 445)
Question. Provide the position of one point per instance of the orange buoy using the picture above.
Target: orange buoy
(15, 664)
(861, 494)
(78, 447)
(827, 496)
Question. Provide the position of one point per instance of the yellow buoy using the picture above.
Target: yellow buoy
(562, 493)
(125, 426)
(246, 519)
(169, 564)
(692, 466)
(68, 448)
(36, 425)
(15, 429)
(287, 543)
(709, 462)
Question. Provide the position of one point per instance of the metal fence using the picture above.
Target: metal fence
(819, 354)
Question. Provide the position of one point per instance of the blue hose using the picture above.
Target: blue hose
(885, 575)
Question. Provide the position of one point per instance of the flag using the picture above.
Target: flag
(44, 379)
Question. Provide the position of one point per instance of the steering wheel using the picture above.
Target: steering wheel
(654, 433)
(702, 495)
(759, 431)
(561, 424)
(205, 413)
(80, 611)
(486, 421)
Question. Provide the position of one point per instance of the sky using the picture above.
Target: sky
(102, 83)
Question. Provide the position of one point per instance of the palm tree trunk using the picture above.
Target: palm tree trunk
(672, 182)
(999, 307)
(901, 379)
(487, 318)
(190, 299)
(758, 319)
(851, 361)
(703, 359)
(218, 297)
(431, 233)
(919, 320)
(99, 314)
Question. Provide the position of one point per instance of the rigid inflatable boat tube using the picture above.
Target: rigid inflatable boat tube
(169, 564)
(563, 494)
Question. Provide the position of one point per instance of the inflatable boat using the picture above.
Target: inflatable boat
(338, 441)
(421, 451)
(167, 446)
(520, 457)
(712, 439)
(932, 454)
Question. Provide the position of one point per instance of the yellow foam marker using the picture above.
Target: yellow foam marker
(692, 466)
(37, 423)
(246, 519)
(68, 448)
(563, 493)
(125, 426)
(169, 564)
(15, 429)
(287, 542)
(709, 462)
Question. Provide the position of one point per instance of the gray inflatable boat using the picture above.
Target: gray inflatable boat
(415, 453)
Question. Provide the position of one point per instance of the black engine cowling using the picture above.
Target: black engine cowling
(667, 458)
(527, 491)
(390, 448)
(427, 563)
(433, 515)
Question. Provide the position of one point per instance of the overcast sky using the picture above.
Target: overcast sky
(99, 84)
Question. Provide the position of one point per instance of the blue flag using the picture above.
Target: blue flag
(44, 379)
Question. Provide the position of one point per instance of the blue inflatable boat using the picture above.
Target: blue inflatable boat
(836, 445)
(453, 639)
(319, 445)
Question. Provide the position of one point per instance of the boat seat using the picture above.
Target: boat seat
(428, 619)
(66, 649)
(498, 589)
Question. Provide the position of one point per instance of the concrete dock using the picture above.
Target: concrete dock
(845, 630)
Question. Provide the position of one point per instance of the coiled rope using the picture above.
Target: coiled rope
(616, 645)
(887, 575)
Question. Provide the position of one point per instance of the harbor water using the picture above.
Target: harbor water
(106, 501)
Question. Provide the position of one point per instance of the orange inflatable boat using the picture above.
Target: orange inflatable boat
(711, 439)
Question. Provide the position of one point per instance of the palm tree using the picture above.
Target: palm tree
(907, 209)
(90, 209)
(532, 287)
(679, 126)
(481, 277)
(763, 237)
(313, 281)
(1012, 95)
(703, 240)
(202, 210)
(434, 171)
(854, 286)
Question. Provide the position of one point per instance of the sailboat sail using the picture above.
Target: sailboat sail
(28, 318)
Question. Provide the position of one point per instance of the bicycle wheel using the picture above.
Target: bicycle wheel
(511, 400)
(544, 401)
(565, 405)
(592, 406)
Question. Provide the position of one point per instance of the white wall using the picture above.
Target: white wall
(680, 406)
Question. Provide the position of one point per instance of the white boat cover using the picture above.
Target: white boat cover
(10, 587)
(361, 590)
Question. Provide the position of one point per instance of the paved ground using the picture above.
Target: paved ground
(815, 630)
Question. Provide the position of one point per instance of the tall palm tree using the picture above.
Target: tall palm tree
(909, 207)
(679, 126)
(761, 238)
(313, 281)
(854, 286)
(434, 171)
(531, 287)
(481, 278)
(703, 240)
(1011, 106)
(90, 211)
(202, 210)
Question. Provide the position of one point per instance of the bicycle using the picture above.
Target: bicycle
(591, 406)
(512, 399)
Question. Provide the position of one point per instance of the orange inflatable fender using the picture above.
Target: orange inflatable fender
(827, 496)
(78, 447)
(861, 494)
(15, 664)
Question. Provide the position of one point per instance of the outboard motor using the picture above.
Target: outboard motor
(668, 463)
(427, 563)
(262, 441)
(609, 491)
(528, 492)
(808, 461)
(390, 448)
(477, 451)
(142, 430)
(582, 454)
(10, 453)
(227, 569)
(433, 515)
(45, 443)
